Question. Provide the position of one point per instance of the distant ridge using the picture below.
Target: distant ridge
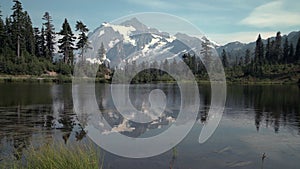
(237, 49)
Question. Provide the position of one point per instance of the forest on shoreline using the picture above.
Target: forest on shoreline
(27, 54)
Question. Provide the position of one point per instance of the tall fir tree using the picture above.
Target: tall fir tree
(268, 51)
(29, 34)
(297, 54)
(83, 43)
(43, 43)
(2, 33)
(241, 61)
(272, 51)
(224, 59)
(174, 66)
(193, 63)
(17, 26)
(206, 52)
(259, 51)
(247, 57)
(291, 54)
(66, 43)
(285, 51)
(39, 42)
(102, 52)
(8, 32)
(277, 48)
(49, 36)
(165, 66)
(37, 37)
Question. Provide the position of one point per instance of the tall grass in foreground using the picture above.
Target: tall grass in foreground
(60, 156)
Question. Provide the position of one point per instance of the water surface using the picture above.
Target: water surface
(257, 120)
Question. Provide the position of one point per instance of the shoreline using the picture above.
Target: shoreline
(68, 79)
(42, 79)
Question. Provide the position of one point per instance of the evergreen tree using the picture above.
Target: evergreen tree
(66, 43)
(224, 59)
(39, 42)
(277, 47)
(268, 52)
(102, 53)
(82, 44)
(17, 25)
(273, 56)
(186, 58)
(154, 71)
(241, 61)
(259, 51)
(43, 43)
(291, 53)
(173, 66)
(49, 36)
(247, 57)
(165, 65)
(193, 63)
(8, 32)
(285, 51)
(29, 34)
(206, 52)
(190, 61)
(198, 64)
(2, 33)
(297, 54)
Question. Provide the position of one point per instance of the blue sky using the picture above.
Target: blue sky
(221, 20)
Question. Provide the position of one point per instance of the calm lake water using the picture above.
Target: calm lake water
(257, 120)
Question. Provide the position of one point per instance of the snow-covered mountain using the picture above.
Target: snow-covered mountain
(133, 41)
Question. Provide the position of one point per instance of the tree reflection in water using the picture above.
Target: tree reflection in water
(37, 114)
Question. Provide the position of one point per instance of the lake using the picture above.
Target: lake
(257, 119)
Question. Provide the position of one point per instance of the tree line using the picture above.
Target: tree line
(270, 61)
(271, 53)
(154, 71)
(25, 49)
(28, 50)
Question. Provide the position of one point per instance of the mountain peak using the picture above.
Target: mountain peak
(134, 22)
(104, 24)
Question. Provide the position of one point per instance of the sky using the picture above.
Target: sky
(222, 21)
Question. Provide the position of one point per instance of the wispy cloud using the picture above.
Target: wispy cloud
(186, 6)
(158, 4)
(272, 14)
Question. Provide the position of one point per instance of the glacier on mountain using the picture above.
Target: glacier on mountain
(131, 40)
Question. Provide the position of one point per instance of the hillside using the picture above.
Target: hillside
(237, 49)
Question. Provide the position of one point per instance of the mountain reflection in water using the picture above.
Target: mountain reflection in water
(34, 114)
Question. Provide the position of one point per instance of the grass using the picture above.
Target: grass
(44, 79)
(34, 79)
(59, 156)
